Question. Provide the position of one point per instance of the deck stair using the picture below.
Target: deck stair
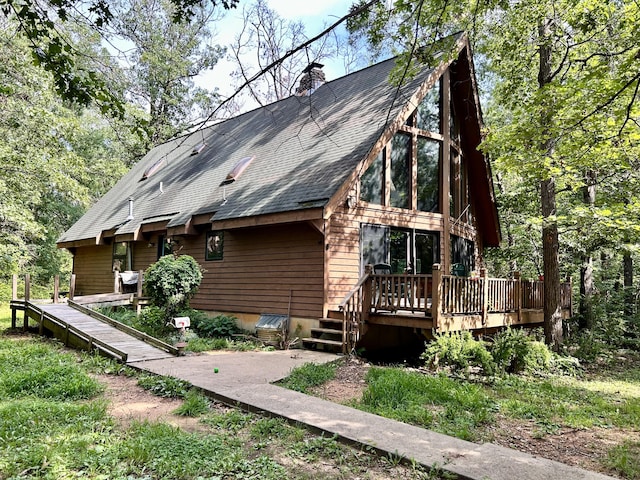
(328, 336)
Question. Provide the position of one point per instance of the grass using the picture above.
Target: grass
(56, 426)
(607, 397)
(309, 375)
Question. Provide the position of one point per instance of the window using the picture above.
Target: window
(428, 112)
(372, 180)
(428, 174)
(459, 207)
(404, 250)
(121, 258)
(165, 247)
(400, 194)
(214, 245)
(462, 254)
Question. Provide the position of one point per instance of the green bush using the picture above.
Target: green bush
(514, 351)
(459, 352)
(172, 281)
(218, 326)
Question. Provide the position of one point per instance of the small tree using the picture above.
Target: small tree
(172, 281)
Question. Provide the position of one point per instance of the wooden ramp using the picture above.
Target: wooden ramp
(80, 327)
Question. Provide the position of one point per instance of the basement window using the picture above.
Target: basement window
(237, 170)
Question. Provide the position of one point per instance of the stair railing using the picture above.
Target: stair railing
(355, 309)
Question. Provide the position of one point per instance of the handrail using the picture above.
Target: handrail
(353, 291)
(124, 328)
(105, 347)
(354, 308)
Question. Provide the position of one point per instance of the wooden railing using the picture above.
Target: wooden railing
(439, 295)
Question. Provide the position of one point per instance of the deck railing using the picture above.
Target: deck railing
(439, 295)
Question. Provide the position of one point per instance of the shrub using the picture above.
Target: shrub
(218, 326)
(172, 281)
(458, 351)
(514, 351)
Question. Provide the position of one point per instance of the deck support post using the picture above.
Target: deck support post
(140, 280)
(56, 288)
(485, 295)
(14, 296)
(435, 295)
(27, 297)
(517, 292)
(116, 282)
(367, 296)
(72, 286)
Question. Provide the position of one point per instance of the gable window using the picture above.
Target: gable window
(400, 192)
(121, 258)
(214, 246)
(410, 164)
(372, 180)
(428, 174)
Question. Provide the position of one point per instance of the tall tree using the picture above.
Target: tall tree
(266, 37)
(54, 160)
(162, 59)
(559, 71)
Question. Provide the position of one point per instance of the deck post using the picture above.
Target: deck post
(72, 286)
(485, 295)
(435, 294)
(116, 282)
(27, 297)
(518, 295)
(140, 279)
(14, 296)
(367, 295)
(56, 288)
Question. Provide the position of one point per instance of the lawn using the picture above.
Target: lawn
(55, 424)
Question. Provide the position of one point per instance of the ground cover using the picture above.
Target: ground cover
(591, 420)
(66, 414)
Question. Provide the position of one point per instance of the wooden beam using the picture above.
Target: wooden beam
(294, 216)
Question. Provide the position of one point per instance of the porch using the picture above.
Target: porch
(439, 303)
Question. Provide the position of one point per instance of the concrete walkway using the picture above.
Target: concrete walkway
(244, 379)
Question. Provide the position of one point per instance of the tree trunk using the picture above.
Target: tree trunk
(629, 303)
(586, 270)
(550, 241)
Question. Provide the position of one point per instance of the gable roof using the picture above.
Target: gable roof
(304, 149)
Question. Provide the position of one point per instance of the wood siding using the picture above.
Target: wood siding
(343, 238)
(92, 266)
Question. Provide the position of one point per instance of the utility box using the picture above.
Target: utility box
(180, 322)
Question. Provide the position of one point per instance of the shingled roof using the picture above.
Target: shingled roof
(304, 148)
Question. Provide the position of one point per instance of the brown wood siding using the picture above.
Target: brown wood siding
(343, 238)
(92, 266)
(260, 268)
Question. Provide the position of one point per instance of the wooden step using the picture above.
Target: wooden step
(322, 341)
(328, 331)
(330, 323)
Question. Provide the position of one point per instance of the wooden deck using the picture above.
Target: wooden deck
(78, 326)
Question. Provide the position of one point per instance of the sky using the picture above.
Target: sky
(314, 14)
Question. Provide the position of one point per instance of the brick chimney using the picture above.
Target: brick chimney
(312, 78)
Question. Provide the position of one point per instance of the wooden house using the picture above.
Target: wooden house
(285, 206)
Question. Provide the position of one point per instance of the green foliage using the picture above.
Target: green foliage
(515, 351)
(309, 375)
(625, 459)
(172, 281)
(163, 386)
(218, 326)
(459, 352)
(452, 407)
(194, 405)
(313, 449)
(39, 370)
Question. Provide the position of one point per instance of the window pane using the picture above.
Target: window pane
(428, 113)
(426, 252)
(399, 245)
(371, 181)
(428, 174)
(400, 168)
(462, 253)
(374, 245)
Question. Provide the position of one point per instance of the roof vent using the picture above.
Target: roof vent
(157, 165)
(312, 78)
(198, 148)
(130, 216)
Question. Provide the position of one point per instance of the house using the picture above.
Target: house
(285, 205)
